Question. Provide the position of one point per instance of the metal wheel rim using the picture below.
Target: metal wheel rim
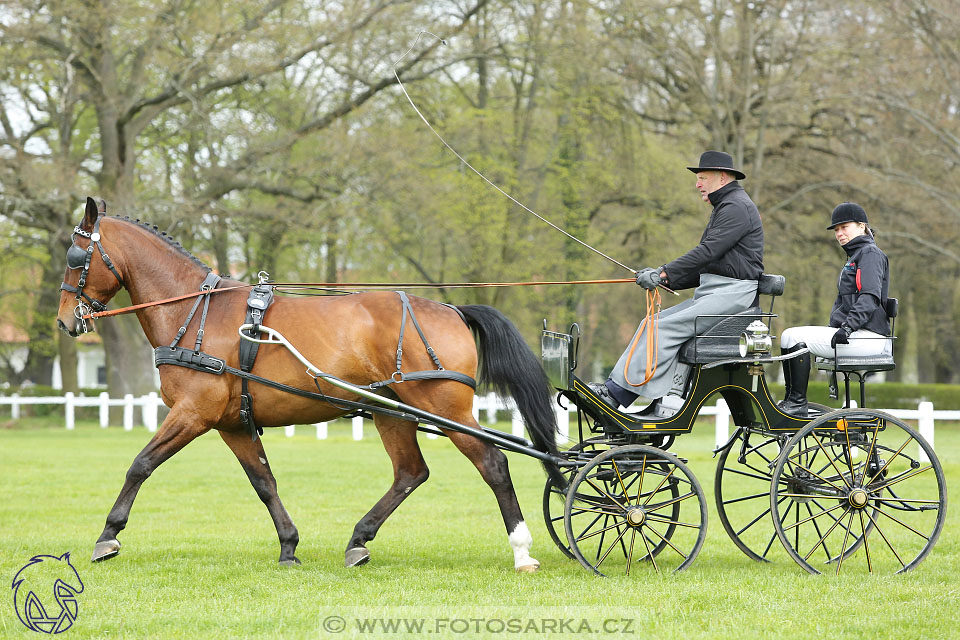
(647, 488)
(917, 511)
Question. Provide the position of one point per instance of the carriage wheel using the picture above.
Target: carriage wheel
(872, 489)
(554, 496)
(742, 491)
(631, 503)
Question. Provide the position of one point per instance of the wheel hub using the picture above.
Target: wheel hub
(858, 498)
(636, 516)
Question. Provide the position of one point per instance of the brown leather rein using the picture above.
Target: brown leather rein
(341, 286)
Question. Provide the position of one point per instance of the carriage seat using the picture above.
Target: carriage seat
(882, 362)
(722, 341)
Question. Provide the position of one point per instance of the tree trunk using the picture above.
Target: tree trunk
(67, 347)
(129, 357)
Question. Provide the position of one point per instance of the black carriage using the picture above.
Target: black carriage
(852, 487)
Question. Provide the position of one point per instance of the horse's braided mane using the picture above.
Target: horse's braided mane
(152, 228)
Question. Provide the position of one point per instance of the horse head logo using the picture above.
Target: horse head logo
(45, 593)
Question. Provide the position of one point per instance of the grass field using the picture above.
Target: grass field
(199, 553)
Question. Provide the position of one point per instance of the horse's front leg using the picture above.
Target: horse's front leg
(178, 429)
(253, 459)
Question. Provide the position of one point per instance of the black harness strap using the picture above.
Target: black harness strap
(184, 357)
(260, 298)
(439, 374)
(209, 283)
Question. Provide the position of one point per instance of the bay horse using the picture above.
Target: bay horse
(353, 337)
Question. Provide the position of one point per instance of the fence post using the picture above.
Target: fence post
(290, 430)
(15, 406)
(926, 426)
(563, 425)
(723, 423)
(104, 409)
(321, 430)
(128, 412)
(149, 411)
(68, 409)
(516, 423)
(357, 424)
(491, 408)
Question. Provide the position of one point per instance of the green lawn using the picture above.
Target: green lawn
(200, 551)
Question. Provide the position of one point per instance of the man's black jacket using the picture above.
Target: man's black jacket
(731, 245)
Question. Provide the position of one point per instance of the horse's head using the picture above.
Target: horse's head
(91, 277)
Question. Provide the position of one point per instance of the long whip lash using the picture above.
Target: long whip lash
(471, 167)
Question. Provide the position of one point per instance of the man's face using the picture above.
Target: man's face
(708, 182)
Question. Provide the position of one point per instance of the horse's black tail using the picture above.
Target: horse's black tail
(507, 364)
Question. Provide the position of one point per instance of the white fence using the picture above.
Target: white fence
(488, 404)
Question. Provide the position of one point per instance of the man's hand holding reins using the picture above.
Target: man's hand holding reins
(649, 278)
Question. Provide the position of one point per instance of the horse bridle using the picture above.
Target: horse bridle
(78, 258)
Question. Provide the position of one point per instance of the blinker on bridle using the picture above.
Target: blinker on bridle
(78, 258)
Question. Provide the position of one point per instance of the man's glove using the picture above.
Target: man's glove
(648, 278)
(840, 337)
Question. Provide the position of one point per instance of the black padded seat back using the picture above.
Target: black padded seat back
(720, 342)
(771, 285)
(892, 307)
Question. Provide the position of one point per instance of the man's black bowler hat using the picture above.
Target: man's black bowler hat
(717, 161)
(848, 212)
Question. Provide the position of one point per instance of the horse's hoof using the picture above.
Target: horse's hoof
(529, 568)
(290, 563)
(105, 549)
(356, 557)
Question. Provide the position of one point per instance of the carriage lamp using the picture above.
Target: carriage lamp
(755, 340)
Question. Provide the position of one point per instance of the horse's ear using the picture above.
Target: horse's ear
(90, 212)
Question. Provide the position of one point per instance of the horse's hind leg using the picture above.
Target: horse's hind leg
(492, 464)
(253, 459)
(409, 472)
(177, 430)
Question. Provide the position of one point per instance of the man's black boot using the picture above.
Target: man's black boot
(601, 391)
(796, 375)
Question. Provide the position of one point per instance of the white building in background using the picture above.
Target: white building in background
(91, 360)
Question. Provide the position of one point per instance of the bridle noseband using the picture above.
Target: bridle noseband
(78, 258)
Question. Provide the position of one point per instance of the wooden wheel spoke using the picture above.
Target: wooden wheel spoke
(812, 472)
(612, 545)
(750, 497)
(661, 505)
(816, 527)
(901, 523)
(669, 544)
(675, 523)
(892, 458)
(615, 525)
(876, 526)
(812, 517)
(749, 475)
(866, 544)
(823, 537)
(616, 469)
(657, 490)
(843, 547)
(633, 537)
(650, 554)
(830, 459)
(906, 475)
(604, 492)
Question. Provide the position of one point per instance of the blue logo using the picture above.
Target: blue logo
(45, 593)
